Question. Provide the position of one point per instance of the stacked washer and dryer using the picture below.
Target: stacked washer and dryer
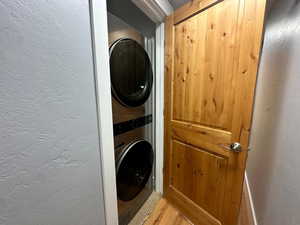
(131, 82)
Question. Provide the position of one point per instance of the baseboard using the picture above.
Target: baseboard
(247, 212)
(250, 199)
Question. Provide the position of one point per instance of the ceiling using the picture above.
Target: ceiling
(177, 3)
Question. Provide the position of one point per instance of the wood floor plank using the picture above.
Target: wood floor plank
(165, 214)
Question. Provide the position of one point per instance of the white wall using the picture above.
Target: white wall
(49, 149)
(274, 162)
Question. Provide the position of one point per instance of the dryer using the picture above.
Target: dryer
(131, 79)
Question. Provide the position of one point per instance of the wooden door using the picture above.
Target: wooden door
(212, 54)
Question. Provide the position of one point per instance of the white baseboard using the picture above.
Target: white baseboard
(250, 199)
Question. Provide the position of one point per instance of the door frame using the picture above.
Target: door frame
(99, 35)
(159, 107)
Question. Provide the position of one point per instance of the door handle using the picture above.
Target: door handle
(234, 147)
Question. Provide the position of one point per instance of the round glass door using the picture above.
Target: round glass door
(131, 72)
(134, 169)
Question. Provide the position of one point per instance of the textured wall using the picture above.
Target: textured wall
(49, 154)
(274, 163)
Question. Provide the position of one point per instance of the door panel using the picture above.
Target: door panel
(201, 136)
(212, 53)
(204, 67)
(206, 186)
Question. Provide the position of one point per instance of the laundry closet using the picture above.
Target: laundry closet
(131, 36)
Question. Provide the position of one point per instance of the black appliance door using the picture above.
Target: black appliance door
(134, 169)
(131, 72)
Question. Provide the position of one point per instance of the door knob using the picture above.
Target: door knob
(236, 147)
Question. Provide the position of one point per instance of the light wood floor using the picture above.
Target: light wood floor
(165, 214)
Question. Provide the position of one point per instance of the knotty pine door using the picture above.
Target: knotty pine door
(212, 52)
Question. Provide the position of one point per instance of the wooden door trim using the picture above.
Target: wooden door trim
(169, 61)
(191, 8)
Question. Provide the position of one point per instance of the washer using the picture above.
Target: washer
(134, 170)
(131, 82)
